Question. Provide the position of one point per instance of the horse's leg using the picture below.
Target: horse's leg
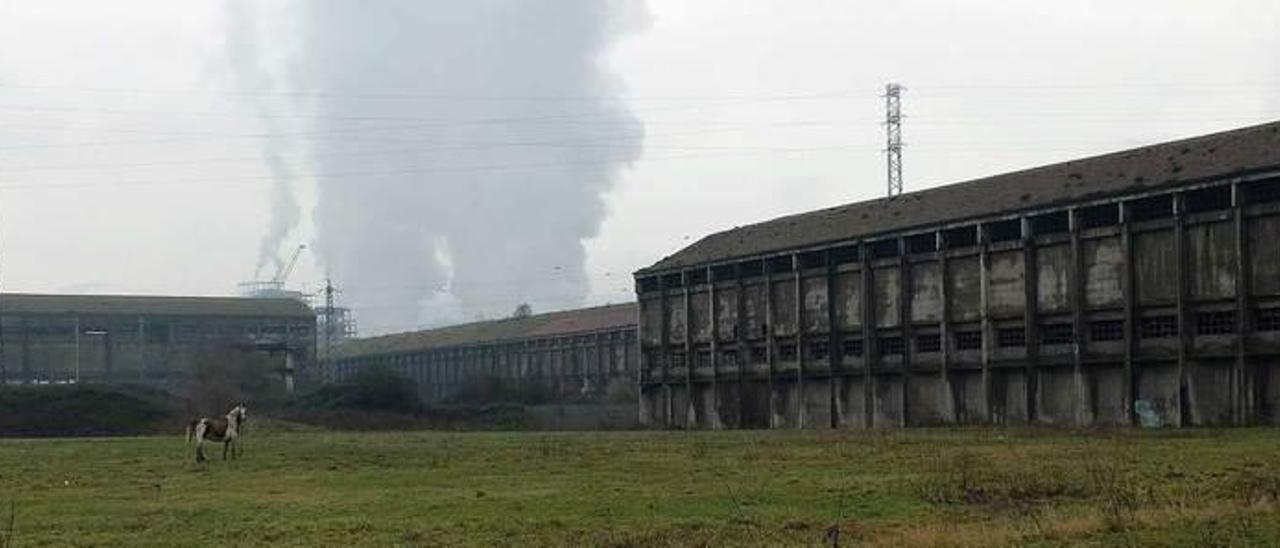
(200, 430)
(226, 444)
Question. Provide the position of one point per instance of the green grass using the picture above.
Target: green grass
(917, 487)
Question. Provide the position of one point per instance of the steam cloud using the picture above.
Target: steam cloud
(480, 137)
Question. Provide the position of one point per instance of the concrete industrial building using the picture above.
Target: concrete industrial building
(121, 338)
(568, 353)
(1140, 286)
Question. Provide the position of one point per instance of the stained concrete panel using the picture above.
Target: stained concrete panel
(1212, 260)
(927, 401)
(1007, 294)
(651, 321)
(971, 407)
(727, 313)
(728, 404)
(675, 320)
(1057, 396)
(1053, 272)
(680, 410)
(653, 406)
(1156, 262)
(1268, 389)
(926, 292)
(851, 398)
(755, 404)
(887, 407)
(887, 282)
(965, 289)
(786, 404)
(816, 319)
(1105, 386)
(703, 405)
(1209, 387)
(848, 300)
(817, 403)
(1265, 255)
(753, 310)
(1009, 396)
(1103, 271)
(1158, 385)
(784, 307)
(700, 316)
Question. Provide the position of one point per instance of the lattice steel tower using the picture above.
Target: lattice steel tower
(893, 136)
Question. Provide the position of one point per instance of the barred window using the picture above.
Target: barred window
(787, 352)
(677, 359)
(968, 340)
(851, 348)
(1216, 323)
(819, 350)
(1106, 330)
(1157, 327)
(891, 346)
(759, 354)
(929, 343)
(1011, 337)
(729, 358)
(703, 358)
(1267, 319)
(1057, 333)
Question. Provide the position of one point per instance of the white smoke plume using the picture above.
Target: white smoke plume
(477, 139)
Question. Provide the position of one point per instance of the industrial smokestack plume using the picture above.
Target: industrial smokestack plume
(484, 134)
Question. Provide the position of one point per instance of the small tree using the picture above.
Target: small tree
(522, 311)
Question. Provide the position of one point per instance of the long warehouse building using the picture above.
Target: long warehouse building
(568, 353)
(1140, 287)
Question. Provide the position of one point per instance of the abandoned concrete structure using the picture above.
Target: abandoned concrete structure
(573, 352)
(1137, 286)
(119, 338)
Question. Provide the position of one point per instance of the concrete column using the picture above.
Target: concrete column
(835, 354)
(1184, 304)
(870, 342)
(713, 318)
(988, 335)
(771, 349)
(802, 418)
(1031, 313)
(1244, 391)
(944, 332)
(1129, 286)
(1077, 291)
(904, 327)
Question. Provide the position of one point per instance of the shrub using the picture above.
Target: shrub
(373, 389)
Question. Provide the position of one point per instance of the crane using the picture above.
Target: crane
(283, 273)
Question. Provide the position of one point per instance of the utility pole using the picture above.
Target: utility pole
(893, 136)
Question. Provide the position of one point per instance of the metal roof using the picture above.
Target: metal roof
(151, 305)
(1241, 151)
(553, 324)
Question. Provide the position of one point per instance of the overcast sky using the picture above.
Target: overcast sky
(134, 154)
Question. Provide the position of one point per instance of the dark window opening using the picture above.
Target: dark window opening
(759, 354)
(1057, 333)
(1003, 231)
(819, 350)
(1051, 223)
(747, 269)
(1106, 330)
(677, 359)
(696, 277)
(1148, 209)
(891, 346)
(1158, 327)
(844, 255)
(1099, 216)
(729, 358)
(968, 340)
(1267, 319)
(1216, 323)
(851, 348)
(779, 265)
(786, 352)
(959, 237)
(1262, 192)
(883, 249)
(922, 243)
(1011, 337)
(724, 273)
(813, 259)
(672, 281)
(1208, 199)
(702, 358)
(931, 342)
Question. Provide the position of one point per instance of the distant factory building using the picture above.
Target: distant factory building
(571, 353)
(148, 339)
(1141, 287)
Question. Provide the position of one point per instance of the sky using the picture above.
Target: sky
(447, 163)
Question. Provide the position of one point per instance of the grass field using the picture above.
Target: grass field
(918, 487)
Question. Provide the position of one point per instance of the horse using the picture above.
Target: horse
(226, 430)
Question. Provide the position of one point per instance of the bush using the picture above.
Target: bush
(373, 389)
(81, 410)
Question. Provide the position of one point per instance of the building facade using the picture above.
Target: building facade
(1141, 287)
(120, 338)
(569, 353)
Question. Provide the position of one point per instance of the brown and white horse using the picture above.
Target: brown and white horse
(226, 430)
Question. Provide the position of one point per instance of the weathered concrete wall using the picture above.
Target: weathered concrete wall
(1159, 308)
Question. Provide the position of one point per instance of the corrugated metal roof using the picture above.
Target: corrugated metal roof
(541, 325)
(151, 305)
(1229, 153)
